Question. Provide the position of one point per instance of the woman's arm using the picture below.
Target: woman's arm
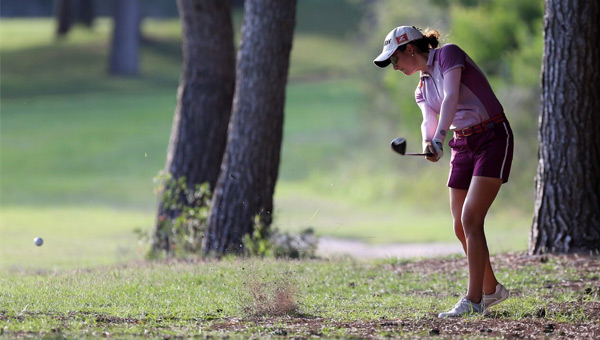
(429, 124)
(447, 113)
(449, 103)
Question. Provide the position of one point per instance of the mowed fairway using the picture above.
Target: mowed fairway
(98, 164)
(80, 151)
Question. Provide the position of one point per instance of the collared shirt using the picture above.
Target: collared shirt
(476, 102)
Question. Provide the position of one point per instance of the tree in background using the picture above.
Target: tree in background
(204, 101)
(73, 11)
(84, 10)
(124, 53)
(567, 213)
(245, 188)
(64, 18)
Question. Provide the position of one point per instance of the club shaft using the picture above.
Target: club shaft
(417, 154)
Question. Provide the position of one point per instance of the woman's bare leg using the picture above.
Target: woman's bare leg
(469, 209)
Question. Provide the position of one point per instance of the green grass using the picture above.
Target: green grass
(74, 236)
(217, 298)
(387, 222)
(97, 165)
(80, 146)
(100, 149)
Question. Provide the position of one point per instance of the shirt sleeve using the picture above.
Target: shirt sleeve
(451, 57)
(419, 93)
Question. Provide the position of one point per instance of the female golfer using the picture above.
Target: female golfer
(455, 96)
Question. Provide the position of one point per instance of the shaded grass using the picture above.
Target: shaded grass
(34, 63)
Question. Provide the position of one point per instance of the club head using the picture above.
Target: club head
(399, 145)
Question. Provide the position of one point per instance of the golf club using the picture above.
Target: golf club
(399, 145)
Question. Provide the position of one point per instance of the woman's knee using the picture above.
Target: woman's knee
(458, 230)
(472, 222)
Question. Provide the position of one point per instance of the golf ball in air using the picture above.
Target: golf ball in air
(38, 241)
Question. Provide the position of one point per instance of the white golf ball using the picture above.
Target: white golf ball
(38, 241)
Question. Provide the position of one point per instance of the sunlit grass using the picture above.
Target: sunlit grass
(387, 221)
(189, 299)
(20, 34)
(78, 145)
(74, 236)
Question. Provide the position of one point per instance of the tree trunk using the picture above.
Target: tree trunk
(251, 164)
(124, 58)
(567, 203)
(64, 17)
(204, 99)
(84, 10)
(69, 12)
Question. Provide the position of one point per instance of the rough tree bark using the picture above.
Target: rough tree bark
(567, 204)
(124, 57)
(204, 98)
(251, 164)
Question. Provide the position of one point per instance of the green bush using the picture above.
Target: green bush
(504, 37)
(181, 226)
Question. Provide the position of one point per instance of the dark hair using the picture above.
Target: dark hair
(429, 41)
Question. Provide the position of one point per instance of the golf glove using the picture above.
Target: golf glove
(435, 147)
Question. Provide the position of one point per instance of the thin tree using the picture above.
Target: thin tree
(567, 202)
(251, 164)
(204, 100)
(64, 16)
(124, 54)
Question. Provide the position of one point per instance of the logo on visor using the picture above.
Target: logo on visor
(401, 39)
(387, 42)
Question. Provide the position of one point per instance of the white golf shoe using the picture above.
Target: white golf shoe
(499, 295)
(463, 307)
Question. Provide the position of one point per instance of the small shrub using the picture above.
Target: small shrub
(295, 246)
(182, 222)
(258, 243)
(267, 242)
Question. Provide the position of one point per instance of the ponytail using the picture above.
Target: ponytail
(432, 37)
(429, 41)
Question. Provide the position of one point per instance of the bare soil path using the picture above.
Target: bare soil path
(331, 247)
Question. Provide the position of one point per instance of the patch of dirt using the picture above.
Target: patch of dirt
(299, 328)
(586, 266)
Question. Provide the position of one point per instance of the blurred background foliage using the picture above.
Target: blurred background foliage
(80, 148)
(504, 37)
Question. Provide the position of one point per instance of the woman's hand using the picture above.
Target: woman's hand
(435, 148)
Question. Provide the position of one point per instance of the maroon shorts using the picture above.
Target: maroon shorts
(487, 154)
